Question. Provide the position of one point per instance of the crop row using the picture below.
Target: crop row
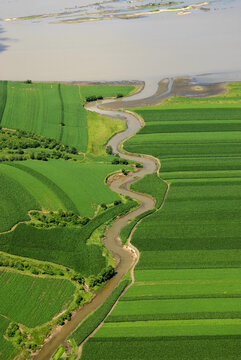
(156, 348)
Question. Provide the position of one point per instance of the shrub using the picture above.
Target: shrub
(109, 150)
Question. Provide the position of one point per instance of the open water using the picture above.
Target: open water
(118, 40)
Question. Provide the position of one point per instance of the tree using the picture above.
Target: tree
(109, 150)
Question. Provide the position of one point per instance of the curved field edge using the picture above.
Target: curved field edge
(51, 186)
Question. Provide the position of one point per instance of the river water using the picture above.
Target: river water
(67, 46)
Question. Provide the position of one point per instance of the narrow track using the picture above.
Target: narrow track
(126, 256)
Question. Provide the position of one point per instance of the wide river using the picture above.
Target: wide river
(118, 40)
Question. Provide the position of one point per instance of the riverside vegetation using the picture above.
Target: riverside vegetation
(55, 207)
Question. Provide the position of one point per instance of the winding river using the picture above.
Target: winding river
(126, 256)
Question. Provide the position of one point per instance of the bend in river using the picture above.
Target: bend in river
(126, 256)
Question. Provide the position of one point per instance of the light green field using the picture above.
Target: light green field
(185, 283)
(83, 183)
(53, 185)
(100, 130)
(208, 327)
(31, 300)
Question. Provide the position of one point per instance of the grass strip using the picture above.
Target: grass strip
(94, 319)
(126, 230)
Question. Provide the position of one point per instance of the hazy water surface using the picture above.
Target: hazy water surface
(204, 39)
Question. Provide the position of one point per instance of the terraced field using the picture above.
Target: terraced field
(185, 303)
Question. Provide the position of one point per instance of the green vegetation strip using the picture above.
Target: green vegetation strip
(3, 97)
(127, 229)
(94, 319)
(153, 185)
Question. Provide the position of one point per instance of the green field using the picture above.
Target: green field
(15, 202)
(6, 348)
(185, 302)
(53, 185)
(31, 300)
(165, 348)
(62, 245)
(51, 109)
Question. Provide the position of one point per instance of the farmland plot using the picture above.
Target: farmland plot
(31, 300)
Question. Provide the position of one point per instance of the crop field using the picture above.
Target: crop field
(153, 185)
(31, 300)
(185, 302)
(65, 246)
(51, 109)
(52, 185)
(165, 348)
(6, 347)
(15, 202)
(83, 184)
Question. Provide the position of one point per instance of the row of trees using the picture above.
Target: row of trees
(102, 277)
